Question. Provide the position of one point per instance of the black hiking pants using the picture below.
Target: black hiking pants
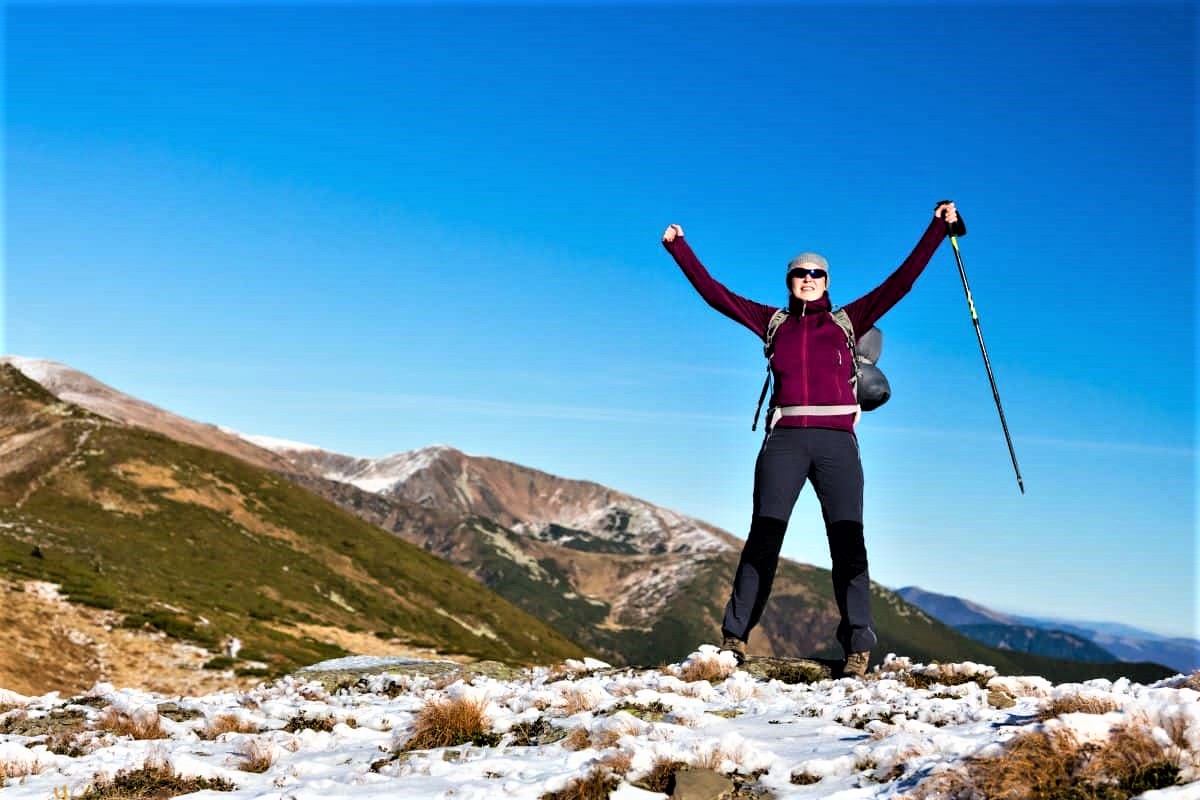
(789, 457)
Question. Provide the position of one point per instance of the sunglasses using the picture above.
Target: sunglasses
(800, 272)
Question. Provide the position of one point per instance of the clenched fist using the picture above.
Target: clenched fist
(671, 232)
(947, 212)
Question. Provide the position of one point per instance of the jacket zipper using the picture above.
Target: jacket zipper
(803, 356)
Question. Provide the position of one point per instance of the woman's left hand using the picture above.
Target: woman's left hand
(946, 212)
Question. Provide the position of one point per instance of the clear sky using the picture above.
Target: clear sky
(375, 228)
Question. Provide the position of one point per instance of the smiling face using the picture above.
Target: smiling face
(806, 286)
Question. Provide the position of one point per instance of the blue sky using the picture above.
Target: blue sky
(375, 228)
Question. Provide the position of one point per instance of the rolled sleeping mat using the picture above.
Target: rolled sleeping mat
(870, 345)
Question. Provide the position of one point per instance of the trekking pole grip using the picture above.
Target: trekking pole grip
(958, 228)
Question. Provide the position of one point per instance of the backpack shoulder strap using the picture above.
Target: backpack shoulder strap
(773, 324)
(843, 321)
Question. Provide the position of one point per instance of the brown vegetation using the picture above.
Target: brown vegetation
(708, 669)
(618, 763)
(805, 778)
(1052, 764)
(943, 674)
(19, 769)
(578, 739)
(139, 726)
(300, 722)
(579, 700)
(1078, 704)
(227, 723)
(596, 785)
(661, 777)
(154, 780)
(450, 722)
(257, 756)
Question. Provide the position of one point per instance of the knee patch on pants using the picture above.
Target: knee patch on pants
(847, 547)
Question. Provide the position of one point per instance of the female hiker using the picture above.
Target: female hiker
(810, 434)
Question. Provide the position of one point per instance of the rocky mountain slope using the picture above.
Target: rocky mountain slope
(209, 548)
(628, 580)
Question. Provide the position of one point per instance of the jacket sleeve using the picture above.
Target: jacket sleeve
(754, 316)
(867, 310)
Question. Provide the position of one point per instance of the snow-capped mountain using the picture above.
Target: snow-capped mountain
(527, 500)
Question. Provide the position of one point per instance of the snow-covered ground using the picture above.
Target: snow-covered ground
(874, 738)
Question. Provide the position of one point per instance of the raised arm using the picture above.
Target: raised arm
(867, 310)
(751, 314)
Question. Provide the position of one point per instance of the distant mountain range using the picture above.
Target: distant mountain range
(205, 534)
(1057, 638)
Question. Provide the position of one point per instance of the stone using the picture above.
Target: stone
(701, 784)
(787, 670)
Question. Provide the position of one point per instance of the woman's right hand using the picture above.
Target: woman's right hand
(671, 232)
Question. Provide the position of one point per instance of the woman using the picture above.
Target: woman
(810, 435)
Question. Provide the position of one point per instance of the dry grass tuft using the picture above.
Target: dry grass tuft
(943, 674)
(139, 726)
(578, 739)
(451, 722)
(324, 723)
(597, 785)
(805, 778)
(66, 743)
(227, 723)
(1053, 765)
(1134, 760)
(661, 777)
(579, 700)
(13, 721)
(256, 756)
(1078, 704)
(711, 759)
(154, 780)
(708, 669)
(19, 769)
(618, 763)
(602, 740)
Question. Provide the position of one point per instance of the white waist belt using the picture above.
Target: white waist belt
(811, 411)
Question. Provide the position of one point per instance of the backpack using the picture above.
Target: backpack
(871, 387)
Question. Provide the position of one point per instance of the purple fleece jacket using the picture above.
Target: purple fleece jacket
(811, 364)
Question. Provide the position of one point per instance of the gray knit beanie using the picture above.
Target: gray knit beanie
(809, 260)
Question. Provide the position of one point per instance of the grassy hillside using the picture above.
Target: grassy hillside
(203, 546)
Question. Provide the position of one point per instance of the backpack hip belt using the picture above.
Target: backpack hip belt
(778, 412)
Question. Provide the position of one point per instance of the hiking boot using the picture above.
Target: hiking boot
(735, 646)
(856, 664)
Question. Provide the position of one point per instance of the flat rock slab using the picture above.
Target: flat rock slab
(701, 784)
(787, 670)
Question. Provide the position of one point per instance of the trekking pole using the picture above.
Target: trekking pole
(959, 228)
